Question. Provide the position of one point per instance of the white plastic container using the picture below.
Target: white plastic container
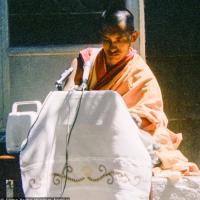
(18, 125)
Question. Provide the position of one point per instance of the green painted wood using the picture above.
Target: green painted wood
(4, 65)
(33, 76)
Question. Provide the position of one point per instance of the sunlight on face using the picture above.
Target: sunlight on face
(116, 47)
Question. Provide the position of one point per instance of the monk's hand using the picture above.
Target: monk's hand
(141, 85)
(137, 91)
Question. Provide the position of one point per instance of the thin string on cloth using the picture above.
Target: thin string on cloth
(25, 143)
(69, 134)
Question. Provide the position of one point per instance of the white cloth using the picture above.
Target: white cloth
(185, 188)
(106, 158)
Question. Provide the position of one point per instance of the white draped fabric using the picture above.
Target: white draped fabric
(89, 153)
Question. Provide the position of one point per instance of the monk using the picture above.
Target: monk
(117, 66)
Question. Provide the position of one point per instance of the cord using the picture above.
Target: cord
(69, 131)
(23, 146)
(69, 137)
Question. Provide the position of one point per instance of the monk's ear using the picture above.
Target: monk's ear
(134, 36)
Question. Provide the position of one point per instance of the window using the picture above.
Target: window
(54, 22)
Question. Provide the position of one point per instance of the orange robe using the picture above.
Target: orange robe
(135, 82)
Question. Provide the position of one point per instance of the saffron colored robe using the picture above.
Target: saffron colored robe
(135, 82)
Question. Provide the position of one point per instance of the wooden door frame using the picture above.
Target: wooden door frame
(4, 65)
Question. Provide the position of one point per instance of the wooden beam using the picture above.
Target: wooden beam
(4, 65)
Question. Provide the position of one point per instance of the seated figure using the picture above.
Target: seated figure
(117, 66)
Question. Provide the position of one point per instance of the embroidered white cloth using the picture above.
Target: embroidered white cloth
(184, 188)
(106, 159)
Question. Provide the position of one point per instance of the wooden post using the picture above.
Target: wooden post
(137, 7)
(4, 65)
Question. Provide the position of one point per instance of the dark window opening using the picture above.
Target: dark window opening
(54, 22)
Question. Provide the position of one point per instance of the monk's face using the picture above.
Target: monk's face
(116, 46)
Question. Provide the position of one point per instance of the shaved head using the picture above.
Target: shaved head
(113, 21)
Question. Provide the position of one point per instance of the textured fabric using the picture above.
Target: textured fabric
(105, 160)
(175, 188)
(129, 78)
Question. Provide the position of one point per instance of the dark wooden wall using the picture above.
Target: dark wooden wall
(172, 50)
